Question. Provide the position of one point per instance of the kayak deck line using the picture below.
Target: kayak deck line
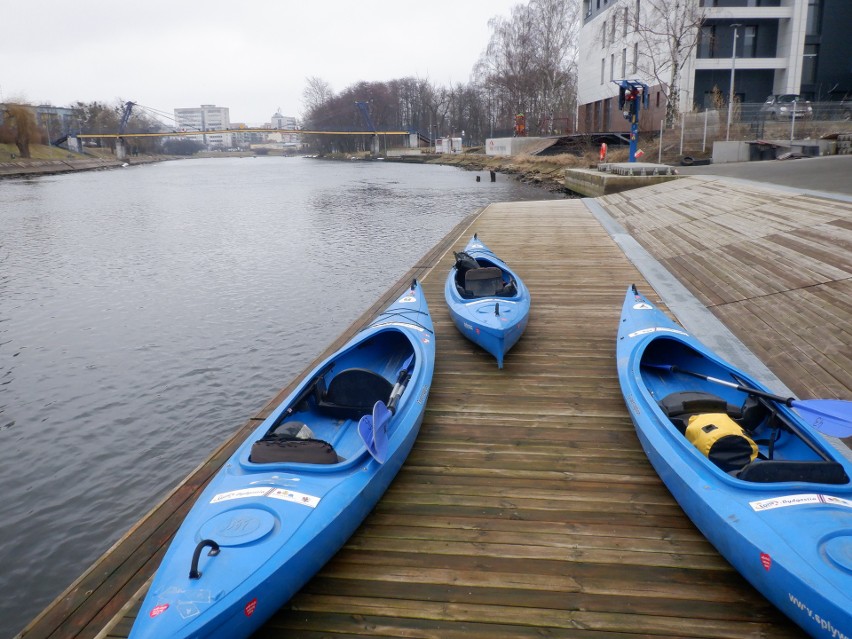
(527, 504)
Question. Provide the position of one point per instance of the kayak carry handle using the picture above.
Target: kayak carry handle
(214, 550)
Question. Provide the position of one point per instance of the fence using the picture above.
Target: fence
(695, 133)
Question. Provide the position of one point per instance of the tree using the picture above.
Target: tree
(530, 64)
(19, 127)
(316, 93)
(667, 33)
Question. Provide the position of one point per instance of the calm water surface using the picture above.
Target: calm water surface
(146, 313)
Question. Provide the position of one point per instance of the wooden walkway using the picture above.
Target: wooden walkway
(527, 507)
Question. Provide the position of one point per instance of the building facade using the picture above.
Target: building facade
(782, 46)
(207, 117)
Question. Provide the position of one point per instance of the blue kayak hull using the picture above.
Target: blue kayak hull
(790, 538)
(276, 523)
(494, 323)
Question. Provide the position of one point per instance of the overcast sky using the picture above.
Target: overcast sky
(251, 56)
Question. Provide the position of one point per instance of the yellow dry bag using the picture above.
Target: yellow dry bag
(721, 440)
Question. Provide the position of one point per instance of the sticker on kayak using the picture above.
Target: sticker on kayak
(156, 611)
(407, 299)
(264, 491)
(798, 500)
(766, 560)
(251, 606)
(658, 329)
(642, 306)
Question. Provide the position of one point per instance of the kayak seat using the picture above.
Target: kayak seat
(680, 406)
(485, 281)
(352, 393)
(813, 472)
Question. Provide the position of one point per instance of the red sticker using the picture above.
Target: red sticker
(766, 560)
(158, 610)
(250, 606)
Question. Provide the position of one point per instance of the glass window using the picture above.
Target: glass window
(603, 69)
(809, 63)
(749, 41)
(624, 63)
(813, 18)
(707, 41)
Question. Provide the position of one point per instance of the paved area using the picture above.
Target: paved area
(831, 174)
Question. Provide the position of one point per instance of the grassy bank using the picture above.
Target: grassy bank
(546, 171)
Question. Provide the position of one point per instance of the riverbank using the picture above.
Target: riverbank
(545, 171)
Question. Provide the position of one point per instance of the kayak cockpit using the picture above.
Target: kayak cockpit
(482, 278)
(319, 431)
(749, 437)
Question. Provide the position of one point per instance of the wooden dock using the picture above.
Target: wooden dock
(527, 507)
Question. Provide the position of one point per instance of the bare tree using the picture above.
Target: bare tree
(667, 33)
(530, 63)
(316, 93)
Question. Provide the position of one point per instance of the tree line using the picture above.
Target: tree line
(529, 67)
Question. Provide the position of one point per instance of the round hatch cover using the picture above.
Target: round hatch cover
(839, 550)
(238, 526)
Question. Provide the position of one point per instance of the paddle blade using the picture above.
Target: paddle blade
(829, 416)
(373, 430)
(381, 419)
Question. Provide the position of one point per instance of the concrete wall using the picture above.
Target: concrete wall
(507, 147)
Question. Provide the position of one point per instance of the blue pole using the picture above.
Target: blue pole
(634, 136)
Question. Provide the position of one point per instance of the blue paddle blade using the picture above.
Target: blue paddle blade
(829, 416)
(381, 419)
(373, 430)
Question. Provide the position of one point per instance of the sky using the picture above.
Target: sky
(252, 56)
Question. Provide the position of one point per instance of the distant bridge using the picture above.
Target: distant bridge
(177, 133)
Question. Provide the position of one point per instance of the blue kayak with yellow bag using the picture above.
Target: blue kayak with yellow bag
(749, 468)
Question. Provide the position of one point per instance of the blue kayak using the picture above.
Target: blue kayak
(300, 484)
(751, 472)
(488, 302)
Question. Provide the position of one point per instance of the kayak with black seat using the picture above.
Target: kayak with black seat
(754, 475)
(298, 487)
(488, 301)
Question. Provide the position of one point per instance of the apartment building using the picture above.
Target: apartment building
(782, 46)
(207, 117)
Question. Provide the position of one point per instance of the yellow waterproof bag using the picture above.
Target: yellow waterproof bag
(721, 440)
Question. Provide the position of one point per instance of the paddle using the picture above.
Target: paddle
(829, 416)
(373, 429)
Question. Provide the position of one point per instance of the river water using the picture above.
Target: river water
(147, 312)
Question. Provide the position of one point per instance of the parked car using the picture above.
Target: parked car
(780, 107)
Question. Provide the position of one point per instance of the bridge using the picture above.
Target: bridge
(179, 133)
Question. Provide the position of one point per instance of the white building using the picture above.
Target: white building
(770, 45)
(285, 123)
(207, 117)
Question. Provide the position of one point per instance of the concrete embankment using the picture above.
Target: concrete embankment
(21, 168)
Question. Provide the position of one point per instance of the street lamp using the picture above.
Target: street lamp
(731, 90)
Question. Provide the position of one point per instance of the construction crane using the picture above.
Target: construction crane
(125, 116)
(364, 107)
